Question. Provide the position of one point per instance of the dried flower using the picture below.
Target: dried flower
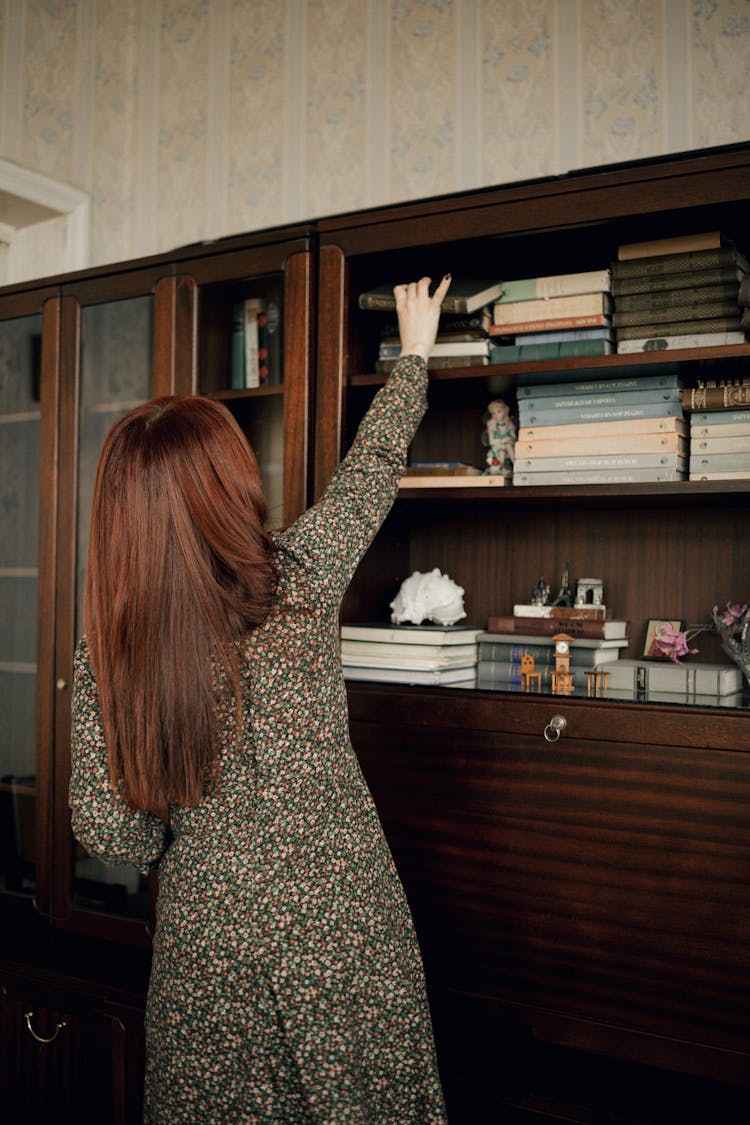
(674, 642)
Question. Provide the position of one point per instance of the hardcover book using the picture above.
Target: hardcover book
(555, 285)
(719, 462)
(731, 444)
(597, 443)
(679, 244)
(688, 279)
(564, 402)
(681, 263)
(464, 296)
(605, 413)
(716, 398)
(614, 385)
(687, 327)
(681, 300)
(548, 626)
(551, 308)
(722, 417)
(604, 429)
(551, 324)
(601, 461)
(719, 433)
(571, 349)
(682, 340)
(677, 313)
(411, 634)
(600, 476)
(457, 676)
(646, 675)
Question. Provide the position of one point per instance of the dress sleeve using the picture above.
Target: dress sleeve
(330, 538)
(101, 820)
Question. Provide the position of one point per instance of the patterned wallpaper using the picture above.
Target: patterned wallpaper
(190, 119)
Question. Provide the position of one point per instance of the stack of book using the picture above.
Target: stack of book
(500, 657)
(410, 654)
(553, 317)
(613, 431)
(463, 339)
(679, 293)
(719, 431)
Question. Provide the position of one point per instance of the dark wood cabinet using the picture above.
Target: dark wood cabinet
(582, 904)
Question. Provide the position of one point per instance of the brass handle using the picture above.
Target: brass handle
(61, 684)
(555, 727)
(41, 1038)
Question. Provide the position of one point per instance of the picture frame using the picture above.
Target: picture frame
(653, 628)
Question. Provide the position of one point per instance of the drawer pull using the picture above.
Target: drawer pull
(555, 727)
(41, 1038)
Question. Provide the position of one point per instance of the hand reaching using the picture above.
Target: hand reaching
(419, 314)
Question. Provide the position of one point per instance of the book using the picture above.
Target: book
(464, 296)
(252, 309)
(605, 413)
(599, 476)
(688, 340)
(597, 443)
(436, 677)
(520, 327)
(730, 444)
(484, 480)
(719, 418)
(601, 461)
(716, 398)
(563, 402)
(738, 474)
(555, 336)
(487, 641)
(658, 675)
(711, 324)
(687, 279)
(679, 244)
(604, 429)
(677, 313)
(678, 299)
(453, 348)
(678, 699)
(572, 349)
(237, 365)
(719, 462)
(549, 626)
(451, 325)
(743, 294)
(506, 655)
(411, 634)
(729, 430)
(441, 468)
(551, 308)
(684, 262)
(436, 362)
(408, 655)
(615, 384)
(555, 285)
(562, 612)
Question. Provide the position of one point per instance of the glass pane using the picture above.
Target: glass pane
(262, 419)
(19, 543)
(116, 374)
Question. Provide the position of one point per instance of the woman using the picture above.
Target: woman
(210, 736)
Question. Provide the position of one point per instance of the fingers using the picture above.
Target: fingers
(421, 289)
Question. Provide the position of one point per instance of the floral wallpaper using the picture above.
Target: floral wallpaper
(190, 119)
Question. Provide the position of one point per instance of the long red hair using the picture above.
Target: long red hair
(180, 568)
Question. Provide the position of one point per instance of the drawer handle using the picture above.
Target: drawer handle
(555, 727)
(41, 1038)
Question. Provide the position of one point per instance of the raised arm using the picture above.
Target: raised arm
(330, 539)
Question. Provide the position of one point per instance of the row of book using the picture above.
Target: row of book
(620, 430)
(256, 343)
(685, 292)
(493, 659)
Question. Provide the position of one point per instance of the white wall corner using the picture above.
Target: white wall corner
(34, 199)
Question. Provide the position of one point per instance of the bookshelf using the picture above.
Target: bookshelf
(554, 887)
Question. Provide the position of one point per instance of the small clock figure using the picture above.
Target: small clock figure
(500, 438)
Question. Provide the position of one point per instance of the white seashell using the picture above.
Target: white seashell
(428, 597)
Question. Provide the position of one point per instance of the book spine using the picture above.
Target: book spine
(252, 344)
(679, 263)
(604, 386)
(719, 433)
(719, 462)
(567, 335)
(582, 304)
(601, 461)
(690, 279)
(509, 652)
(555, 285)
(638, 428)
(437, 363)
(237, 375)
(716, 398)
(606, 413)
(548, 626)
(551, 324)
(600, 476)
(680, 244)
(688, 340)
(595, 444)
(521, 353)
(687, 327)
(719, 444)
(677, 314)
(681, 300)
(575, 402)
(719, 418)
(738, 474)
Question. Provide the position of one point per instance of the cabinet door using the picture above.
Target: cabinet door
(251, 317)
(63, 1063)
(21, 554)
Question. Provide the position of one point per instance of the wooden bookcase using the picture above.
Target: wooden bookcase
(582, 906)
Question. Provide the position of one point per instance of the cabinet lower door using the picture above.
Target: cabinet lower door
(66, 1065)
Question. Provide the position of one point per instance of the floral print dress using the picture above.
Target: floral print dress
(287, 983)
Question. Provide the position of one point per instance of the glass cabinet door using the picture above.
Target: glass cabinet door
(115, 374)
(20, 416)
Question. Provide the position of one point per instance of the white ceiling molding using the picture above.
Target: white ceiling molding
(29, 200)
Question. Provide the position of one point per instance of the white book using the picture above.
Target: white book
(600, 476)
(603, 461)
(734, 429)
(740, 474)
(408, 656)
(719, 417)
(719, 462)
(719, 444)
(546, 642)
(604, 429)
(666, 343)
(555, 285)
(665, 675)
(411, 634)
(455, 676)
